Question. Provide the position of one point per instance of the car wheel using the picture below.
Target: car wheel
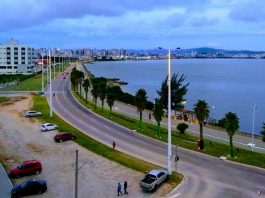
(18, 176)
(39, 191)
(61, 141)
(37, 172)
(73, 138)
(46, 130)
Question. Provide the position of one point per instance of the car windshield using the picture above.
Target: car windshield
(151, 176)
(20, 166)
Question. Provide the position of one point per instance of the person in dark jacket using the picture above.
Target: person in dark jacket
(125, 187)
(119, 189)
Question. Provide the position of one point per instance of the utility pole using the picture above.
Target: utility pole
(76, 174)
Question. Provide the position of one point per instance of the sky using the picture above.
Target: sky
(135, 24)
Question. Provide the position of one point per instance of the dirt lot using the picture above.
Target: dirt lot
(21, 139)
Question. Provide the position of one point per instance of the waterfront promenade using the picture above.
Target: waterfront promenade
(211, 133)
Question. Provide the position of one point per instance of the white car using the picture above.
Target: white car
(153, 179)
(48, 126)
(32, 114)
(251, 145)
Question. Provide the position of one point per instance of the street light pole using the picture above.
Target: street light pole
(42, 86)
(50, 84)
(169, 157)
(253, 122)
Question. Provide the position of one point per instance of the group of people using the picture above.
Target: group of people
(119, 187)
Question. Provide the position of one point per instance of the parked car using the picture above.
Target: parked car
(32, 114)
(48, 126)
(64, 137)
(153, 179)
(28, 167)
(29, 187)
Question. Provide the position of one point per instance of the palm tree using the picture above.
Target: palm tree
(140, 102)
(231, 125)
(263, 132)
(86, 85)
(201, 110)
(158, 114)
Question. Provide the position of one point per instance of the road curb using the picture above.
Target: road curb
(175, 189)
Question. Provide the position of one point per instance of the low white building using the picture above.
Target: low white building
(16, 59)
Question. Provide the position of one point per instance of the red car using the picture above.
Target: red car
(64, 137)
(28, 167)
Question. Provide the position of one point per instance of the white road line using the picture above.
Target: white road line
(176, 195)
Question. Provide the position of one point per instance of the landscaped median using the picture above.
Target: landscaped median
(40, 104)
(183, 140)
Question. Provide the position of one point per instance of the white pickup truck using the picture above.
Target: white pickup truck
(153, 179)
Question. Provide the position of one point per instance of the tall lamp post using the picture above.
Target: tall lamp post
(50, 73)
(253, 123)
(169, 157)
(42, 86)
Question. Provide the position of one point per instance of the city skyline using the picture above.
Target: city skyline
(231, 25)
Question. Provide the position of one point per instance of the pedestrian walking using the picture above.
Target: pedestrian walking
(119, 189)
(113, 145)
(125, 184)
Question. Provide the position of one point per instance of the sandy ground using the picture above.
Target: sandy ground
(21, 139)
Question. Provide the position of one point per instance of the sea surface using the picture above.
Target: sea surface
(225, 84)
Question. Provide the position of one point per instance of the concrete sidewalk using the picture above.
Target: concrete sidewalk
(5, 183)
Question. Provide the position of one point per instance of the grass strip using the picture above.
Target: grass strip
(40, 104)
(3, 99)
(187, 141)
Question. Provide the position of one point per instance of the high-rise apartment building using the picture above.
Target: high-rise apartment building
(15, 58)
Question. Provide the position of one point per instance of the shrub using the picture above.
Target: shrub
(182, 127)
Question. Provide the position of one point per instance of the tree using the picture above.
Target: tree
(178, 91)
(86, 85)
(140, 102)
(111, 95)
(263, 132)
(73, 78)
(95, 90)
(201, 110)
(102, 91)
(80, 76)
(231, 125)
(158, 114)
(182, 127)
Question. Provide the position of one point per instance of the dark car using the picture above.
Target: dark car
(28, 167)
(29, 187)
(64, 137)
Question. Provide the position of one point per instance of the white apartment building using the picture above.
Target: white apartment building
(16, 59)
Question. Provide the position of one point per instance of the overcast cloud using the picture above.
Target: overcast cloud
(140, 24)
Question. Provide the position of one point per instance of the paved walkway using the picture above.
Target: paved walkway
(5, 183)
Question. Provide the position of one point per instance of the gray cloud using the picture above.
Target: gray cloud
(26, 13)
(250, 11)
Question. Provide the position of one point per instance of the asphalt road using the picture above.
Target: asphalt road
(205, 176)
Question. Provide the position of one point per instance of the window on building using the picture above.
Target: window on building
(2, 67)
(15, 67)
(9, 67)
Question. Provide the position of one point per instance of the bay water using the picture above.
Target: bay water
(225, 84)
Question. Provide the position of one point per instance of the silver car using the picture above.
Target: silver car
(48, 126)
(32, 114)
